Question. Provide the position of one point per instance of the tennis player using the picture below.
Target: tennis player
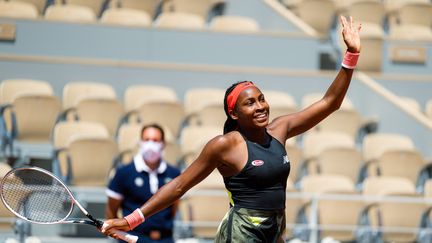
(251, 157)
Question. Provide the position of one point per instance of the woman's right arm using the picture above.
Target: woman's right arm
(206, 162)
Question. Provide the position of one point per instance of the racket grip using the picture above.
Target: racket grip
(126, 236)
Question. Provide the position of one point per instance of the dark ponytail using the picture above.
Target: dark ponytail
(230, 124)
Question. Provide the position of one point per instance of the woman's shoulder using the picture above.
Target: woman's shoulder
(226, 141)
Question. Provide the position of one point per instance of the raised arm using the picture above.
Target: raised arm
(206, 162)
(288, 126)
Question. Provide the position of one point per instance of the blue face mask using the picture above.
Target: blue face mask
(151, 151)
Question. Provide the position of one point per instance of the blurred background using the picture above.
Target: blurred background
(79, 78)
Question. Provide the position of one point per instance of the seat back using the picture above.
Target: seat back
(416, 13)
(35, 116)
(17, 9)
(318, 14)
(70, 13)
(102, 110)
(197, 98)
(136, 95)
(9, 88)
(402, 163)
(370, 11)
(63, 131)
(167, 114)
(94, 5)
(179, 20)
(395, 214)
(237, 24)
(193, 138)
(340, 161)
(126, 16)
(39, 4)
(374, 145)
(73, 92)
(280, 103)
(148, 6)
(91, 159)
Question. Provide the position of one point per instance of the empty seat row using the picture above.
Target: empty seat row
(152, 7)
(130, 17)
(405, 19)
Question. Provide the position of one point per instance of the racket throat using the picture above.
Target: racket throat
(97, 222)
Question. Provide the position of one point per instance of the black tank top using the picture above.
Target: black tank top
(262, 182)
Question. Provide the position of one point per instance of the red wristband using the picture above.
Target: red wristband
(350, 60)
(135, 218)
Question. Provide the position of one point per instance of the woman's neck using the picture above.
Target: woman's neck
(258, 136)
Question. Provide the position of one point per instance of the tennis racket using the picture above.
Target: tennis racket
(37, 196)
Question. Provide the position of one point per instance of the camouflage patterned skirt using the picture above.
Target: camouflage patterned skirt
(246, 225)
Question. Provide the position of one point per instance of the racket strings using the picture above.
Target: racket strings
(36, 196)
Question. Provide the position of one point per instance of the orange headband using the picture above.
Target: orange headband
(233, 96)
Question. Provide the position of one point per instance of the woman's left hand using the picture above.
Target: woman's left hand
(350, 33)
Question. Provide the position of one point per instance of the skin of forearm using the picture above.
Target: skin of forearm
(337, 90)
(167, 195)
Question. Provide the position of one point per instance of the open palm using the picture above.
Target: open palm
(350, 34)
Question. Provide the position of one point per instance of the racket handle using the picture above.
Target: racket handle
(126, 237)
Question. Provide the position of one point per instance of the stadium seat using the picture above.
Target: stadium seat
(319, 14)
(90, 101)
(374, 145)
(136, 95)
(90, 159)
(17, 9)
(106, 111)
(333, 212)
(39, 4)
(200, 8)
(204, 107)
(345, 161)
(390, 214)
(29, 112)
(237, 24)
(169, 114)
(370, 13)
(280, 103)
(62, 133)
(126, 16)
(73, 92)
(405, 163)
(179, 20)
(347, 119)
(205, 222)
(70, 13)
(314, 143)
(410, 20)
(149, 6)
(94, 5)
(193, 139)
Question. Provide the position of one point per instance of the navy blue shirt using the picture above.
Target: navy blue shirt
(132, 185)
